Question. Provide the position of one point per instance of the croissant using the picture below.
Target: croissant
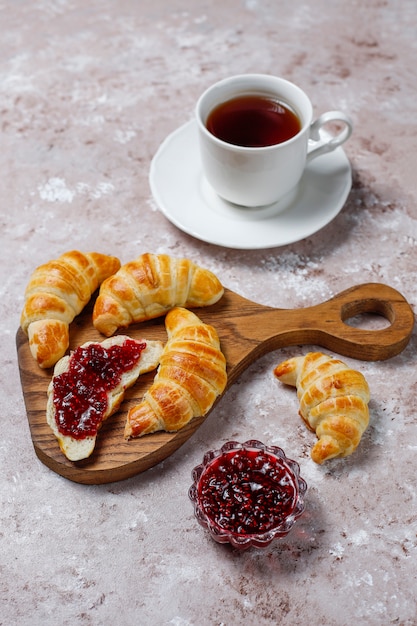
(89, 385)
(191, 375)
(148, 287)
(58, 291)
(333, 402)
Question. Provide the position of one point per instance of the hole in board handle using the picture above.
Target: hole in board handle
(368, 314)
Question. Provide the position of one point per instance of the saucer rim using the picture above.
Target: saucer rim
(173, 217)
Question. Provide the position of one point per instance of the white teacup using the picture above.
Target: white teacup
(258, 176)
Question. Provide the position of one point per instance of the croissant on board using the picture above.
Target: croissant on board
(77, 406)
(191, 375)
(58, 291)
(148, 287)
(333, 402)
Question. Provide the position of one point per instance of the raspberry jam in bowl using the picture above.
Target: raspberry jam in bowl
(247, 494)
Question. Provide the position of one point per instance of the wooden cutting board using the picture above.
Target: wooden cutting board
(247, 331)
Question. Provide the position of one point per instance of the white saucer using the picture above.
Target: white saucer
(187, 200)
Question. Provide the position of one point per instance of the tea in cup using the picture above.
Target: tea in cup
(256, 135)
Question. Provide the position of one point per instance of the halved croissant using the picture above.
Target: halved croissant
(148, 287)
(191, 375)
(76, 409)
(333, 402)
(58, 291)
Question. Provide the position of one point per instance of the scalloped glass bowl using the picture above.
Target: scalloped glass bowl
(247, 494)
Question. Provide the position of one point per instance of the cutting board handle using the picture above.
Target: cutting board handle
(257, 329)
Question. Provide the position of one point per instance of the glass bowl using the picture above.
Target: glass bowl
(247, 494)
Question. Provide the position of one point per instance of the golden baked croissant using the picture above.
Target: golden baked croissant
(191, 375)
(58, 291)
(333, 402)
(148, 287)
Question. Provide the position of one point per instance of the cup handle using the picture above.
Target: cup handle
(321, 142)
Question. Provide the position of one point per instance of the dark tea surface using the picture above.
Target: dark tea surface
(253, 121)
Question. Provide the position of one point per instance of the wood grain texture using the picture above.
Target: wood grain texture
(247, 331)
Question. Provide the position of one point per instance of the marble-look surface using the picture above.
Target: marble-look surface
(88, 91)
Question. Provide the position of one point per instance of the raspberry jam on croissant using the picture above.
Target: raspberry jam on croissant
(247, 494)
(80, 394)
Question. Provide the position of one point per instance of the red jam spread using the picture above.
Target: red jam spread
(247, 491)
(80, 394)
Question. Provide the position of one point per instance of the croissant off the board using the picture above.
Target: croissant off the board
(56, 293)
(148, 287)
(333, 402)
(190, 377)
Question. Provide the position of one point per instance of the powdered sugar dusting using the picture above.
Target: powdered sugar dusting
(56, 190)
